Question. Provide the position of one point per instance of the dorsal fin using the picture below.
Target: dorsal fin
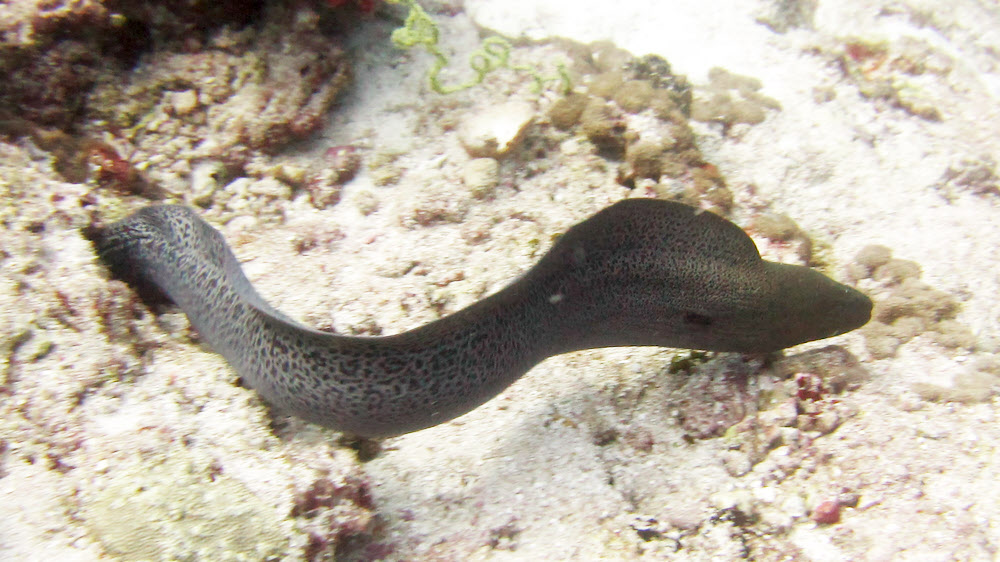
(690, 233)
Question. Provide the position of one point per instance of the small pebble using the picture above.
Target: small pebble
(205, 181)
(496, 130)
(366, 202)
(776, 227)
(826, 513)
(184, 102)
(873, 256)
(481, 176)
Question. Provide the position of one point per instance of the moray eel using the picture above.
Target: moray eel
(642, 272)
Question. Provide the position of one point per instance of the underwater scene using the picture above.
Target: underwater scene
(512, 280)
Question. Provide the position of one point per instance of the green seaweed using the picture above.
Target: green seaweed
(419, 30)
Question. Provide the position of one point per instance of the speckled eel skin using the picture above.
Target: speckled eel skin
(641, 272)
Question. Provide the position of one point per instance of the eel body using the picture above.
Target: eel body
(642, 272)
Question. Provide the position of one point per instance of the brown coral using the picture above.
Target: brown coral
(54, 51)
(168, 85)
(908, 307)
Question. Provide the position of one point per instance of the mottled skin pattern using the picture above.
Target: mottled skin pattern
(641, 272)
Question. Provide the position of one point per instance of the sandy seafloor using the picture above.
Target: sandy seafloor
(590, 455)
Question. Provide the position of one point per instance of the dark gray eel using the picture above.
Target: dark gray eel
(641, 272)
